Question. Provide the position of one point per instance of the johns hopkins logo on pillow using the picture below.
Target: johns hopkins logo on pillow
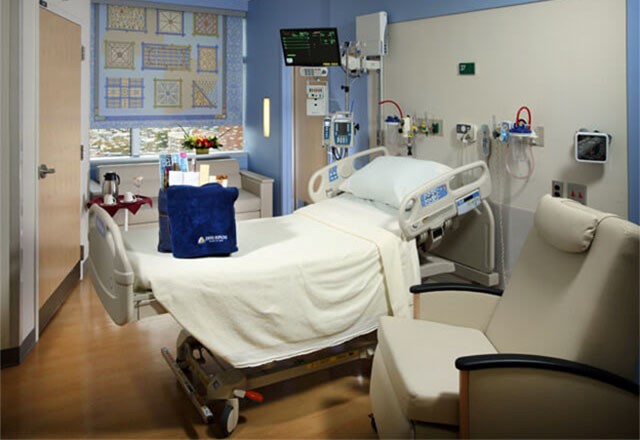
(213, 239)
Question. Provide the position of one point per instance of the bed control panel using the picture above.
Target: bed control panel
(468, 202)
(441, 202)
(333, 173)
(433, 195)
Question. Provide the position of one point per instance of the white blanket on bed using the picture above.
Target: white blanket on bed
(299, 283)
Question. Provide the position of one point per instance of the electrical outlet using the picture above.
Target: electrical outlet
(577, 192)
(557, 188)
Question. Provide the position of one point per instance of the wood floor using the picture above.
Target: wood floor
(89, 378)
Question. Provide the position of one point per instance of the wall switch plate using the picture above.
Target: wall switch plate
(557, 188)
(577, 192)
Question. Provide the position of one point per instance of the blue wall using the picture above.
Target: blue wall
(266, 75)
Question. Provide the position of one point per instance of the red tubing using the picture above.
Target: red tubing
(389, 101)
(524, 107)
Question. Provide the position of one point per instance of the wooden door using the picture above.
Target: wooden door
(59, 205)
(309, 155)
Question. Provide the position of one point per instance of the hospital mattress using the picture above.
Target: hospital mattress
(298, 283)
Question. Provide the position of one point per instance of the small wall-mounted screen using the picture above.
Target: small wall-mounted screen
(310, 47)
(592, 147)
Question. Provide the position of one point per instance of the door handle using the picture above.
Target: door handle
(44, 170)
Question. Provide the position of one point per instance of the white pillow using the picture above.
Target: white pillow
(388, 179)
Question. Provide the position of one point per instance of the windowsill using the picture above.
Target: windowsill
(149, 159)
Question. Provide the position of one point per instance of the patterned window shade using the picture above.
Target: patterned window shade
(156, 67)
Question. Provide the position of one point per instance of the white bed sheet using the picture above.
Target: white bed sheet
(298, 283)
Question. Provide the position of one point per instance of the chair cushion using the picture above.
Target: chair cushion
(566, 225)
(247, 202)
(420, 358)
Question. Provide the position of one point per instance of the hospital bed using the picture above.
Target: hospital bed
(303, 292)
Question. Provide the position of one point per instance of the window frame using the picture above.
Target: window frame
(135, 145)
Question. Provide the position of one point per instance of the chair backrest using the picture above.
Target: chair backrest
(573, 293)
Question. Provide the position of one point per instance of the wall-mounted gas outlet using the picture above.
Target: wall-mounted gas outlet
(557, 188)
(436, 127)
(577, 192)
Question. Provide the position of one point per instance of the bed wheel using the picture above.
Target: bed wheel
(229, 417)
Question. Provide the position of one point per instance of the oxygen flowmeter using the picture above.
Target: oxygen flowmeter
(338, 130)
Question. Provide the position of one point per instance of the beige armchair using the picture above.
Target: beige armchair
(555, 356)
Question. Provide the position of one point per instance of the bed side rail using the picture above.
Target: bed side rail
(108, 266)
(325, 182)
(454, 193)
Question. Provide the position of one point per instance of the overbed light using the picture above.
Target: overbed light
(266, 117)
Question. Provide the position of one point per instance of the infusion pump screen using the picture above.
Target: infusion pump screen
(342, 128)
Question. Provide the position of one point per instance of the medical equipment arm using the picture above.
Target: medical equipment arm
(329, 178)
(430, 206)
(109, 267)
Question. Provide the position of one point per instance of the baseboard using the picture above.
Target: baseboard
(51, 306)
(11, 357)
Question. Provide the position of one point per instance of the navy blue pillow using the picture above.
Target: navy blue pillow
(202, 219)
(164, 233)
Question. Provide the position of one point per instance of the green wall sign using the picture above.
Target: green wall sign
(467, 68)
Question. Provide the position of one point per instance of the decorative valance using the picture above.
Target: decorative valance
(161, 66)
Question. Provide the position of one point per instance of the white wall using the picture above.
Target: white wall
(565, 59)
(4, 174)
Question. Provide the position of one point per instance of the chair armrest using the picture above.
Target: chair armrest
(456, 304)
(507, 360)
(437, 287)
(508, 395)
(261, 186)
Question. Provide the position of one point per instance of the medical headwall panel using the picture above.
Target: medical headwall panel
(157, 66)
(564, 59)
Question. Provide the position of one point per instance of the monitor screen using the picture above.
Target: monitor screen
(310, 47)
(592, 147)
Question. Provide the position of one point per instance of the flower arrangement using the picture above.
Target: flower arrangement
(201, 143)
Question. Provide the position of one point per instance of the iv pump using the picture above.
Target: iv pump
(338, 130)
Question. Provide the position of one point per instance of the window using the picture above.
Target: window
(108, 142)
(136, 142)
(157, 70)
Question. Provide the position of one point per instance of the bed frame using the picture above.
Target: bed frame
(205, 378)
(430, 216)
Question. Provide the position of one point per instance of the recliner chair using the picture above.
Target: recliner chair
(554, 356)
